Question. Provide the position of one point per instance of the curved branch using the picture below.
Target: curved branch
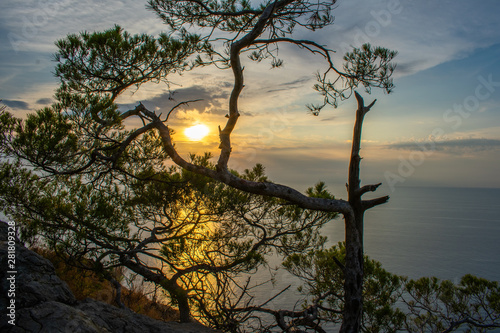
(180, 104)
(125, 143)
(306, 44)
(455, 324)
(235, 61)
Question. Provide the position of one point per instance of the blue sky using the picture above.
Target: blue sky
(440, 127)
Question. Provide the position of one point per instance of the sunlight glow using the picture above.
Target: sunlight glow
(196, 132)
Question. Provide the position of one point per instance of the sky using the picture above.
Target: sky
(440, 126)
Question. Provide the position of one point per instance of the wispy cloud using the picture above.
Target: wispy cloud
(298, 83)
(455, 146)
(329, 118)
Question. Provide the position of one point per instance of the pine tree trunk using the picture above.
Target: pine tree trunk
(181, 297)
(183, 304)
(353, 274)
(354, 225)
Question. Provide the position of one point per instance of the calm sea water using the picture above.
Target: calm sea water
(442, 232)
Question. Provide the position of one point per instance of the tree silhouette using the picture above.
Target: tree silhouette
(84, 132)
(190, 236)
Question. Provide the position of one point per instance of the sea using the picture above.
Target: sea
(421, 231)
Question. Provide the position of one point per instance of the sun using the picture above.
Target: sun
(196, 132)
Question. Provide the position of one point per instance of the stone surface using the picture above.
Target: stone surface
(44, 303)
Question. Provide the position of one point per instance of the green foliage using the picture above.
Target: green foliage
(371, 67)
(241, 15)
(66, 212)
(91, 112)
(46, 138)
(436, 305)
(395, 304)
(322, 273)
(8, 125)
(319, 191)
(236, 14)
(113, 60)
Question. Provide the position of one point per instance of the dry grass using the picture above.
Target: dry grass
(84, 283)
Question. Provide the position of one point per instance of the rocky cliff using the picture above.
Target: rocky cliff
(36, 300)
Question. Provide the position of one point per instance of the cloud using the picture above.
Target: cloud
(16, 104)
(409, 67)
(455, 146)
(329, 118)
(44, 101)
(427, 33)
(299, 83)
(211, 100)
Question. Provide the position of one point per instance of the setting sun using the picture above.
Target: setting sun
(196, 132)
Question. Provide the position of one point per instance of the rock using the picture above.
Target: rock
(44, 303)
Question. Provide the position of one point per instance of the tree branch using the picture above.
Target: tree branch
(306, 317)
(367, 204)
(305, 43)
(180, 104)
(367, 188)
(235, 61)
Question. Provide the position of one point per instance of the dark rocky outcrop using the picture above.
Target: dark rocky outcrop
(44, 303)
